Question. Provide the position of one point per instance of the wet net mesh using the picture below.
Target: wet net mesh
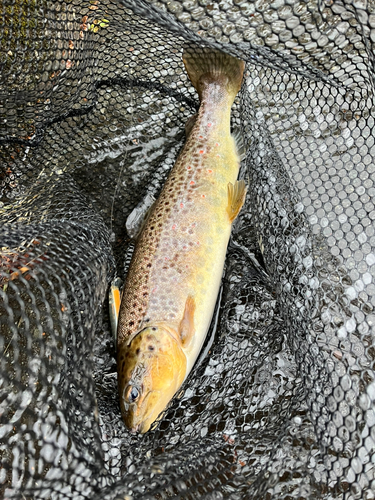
(93, 103)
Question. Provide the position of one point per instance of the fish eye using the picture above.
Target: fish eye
(132, 394)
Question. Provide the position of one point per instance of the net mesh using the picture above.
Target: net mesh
(93, 103)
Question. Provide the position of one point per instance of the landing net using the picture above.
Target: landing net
(93, 103)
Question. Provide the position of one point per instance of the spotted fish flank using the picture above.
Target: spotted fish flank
(176, 269)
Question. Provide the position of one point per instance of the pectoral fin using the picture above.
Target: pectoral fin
(186, 329)
(114, 305)
(236, 198)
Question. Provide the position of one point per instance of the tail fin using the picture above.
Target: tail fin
(205, 65)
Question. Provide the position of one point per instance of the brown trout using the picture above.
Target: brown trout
(176, 269)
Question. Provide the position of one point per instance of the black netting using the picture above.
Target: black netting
(94, 99)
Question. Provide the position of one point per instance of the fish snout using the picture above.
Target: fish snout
(135, 429)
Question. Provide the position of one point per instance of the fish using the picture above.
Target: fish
(176, 269)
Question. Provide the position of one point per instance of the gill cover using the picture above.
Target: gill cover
(151, 369)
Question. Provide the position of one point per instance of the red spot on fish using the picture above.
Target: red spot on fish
(181, 205)
(197, 242)
(188, 168)
(209, 171)
(201, 152)
(217, 144)
(174, 226)
(165, 258)
(203, 196)
(209, 124)
(201, 137)
(191, 183)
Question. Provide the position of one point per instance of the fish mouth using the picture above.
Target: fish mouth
(136, 423)
(135, 429)
(144, 424)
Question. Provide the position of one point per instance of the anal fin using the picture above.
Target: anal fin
(186, 328)
(236, 198)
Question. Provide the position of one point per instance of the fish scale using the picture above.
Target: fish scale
(175, 273)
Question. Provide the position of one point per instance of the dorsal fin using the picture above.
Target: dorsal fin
(240, 143)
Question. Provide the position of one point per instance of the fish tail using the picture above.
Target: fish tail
(205, 65)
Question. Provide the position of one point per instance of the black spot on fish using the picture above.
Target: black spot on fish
(154, 328)
(131, 323)
(151, 348)
(137, 351)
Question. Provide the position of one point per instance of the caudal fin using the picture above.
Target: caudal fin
(205, 65)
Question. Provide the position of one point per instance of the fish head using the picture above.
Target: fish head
(152, 367)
